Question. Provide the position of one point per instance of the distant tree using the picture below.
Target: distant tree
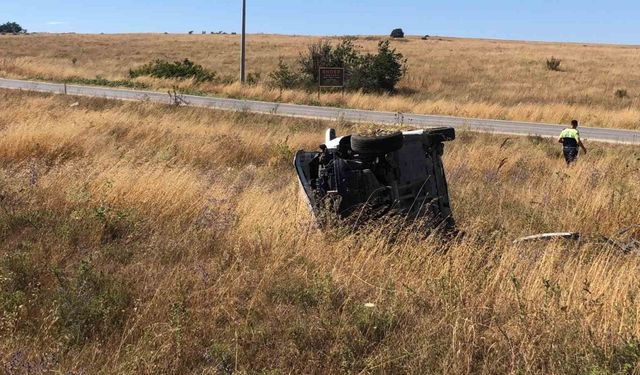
(12, 27)
(397, 33)
(190, 32)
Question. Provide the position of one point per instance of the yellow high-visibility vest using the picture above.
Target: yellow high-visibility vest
(570, 133)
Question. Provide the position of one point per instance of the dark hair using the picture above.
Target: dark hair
(574, 123)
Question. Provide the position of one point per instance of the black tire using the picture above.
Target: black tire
(381, 144)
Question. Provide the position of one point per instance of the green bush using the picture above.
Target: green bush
(90, 303)
(323, 54)
(318, 55)
(178, 69)
(12, 27)
(367, 72)
(302, 292)
(284, 77)
(379, 72)
(99, 81)
(19, 278)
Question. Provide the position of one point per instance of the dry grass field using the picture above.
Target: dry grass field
(460, 77)
(145, 239)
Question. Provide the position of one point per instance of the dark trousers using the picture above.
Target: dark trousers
(570, 154)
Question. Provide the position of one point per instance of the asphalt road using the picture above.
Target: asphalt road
(331, 113)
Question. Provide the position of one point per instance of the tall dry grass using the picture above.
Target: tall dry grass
(460, 77)
(139, 238)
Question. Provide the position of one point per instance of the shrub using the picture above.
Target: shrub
(554, 64)
(115, 225)
(177, 69)
(222, 357)
(379, 72)
(323, 54)
(621, 93)
(318, 55)
(374, 324)
(397, 33)
(12, 27)
(368, 72)
(254, 78)
(90, 303)
(303, 292)
(18, 285)
(283, 77)
(281, 153)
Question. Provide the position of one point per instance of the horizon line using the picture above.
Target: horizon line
(408, 36)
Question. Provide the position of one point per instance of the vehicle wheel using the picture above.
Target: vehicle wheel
(378, 144)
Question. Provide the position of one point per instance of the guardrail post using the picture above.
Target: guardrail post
(65, 89)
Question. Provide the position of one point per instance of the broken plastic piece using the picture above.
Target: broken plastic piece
(550, 236)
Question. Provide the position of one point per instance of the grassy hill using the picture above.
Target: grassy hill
(139, 238)
(461, 77)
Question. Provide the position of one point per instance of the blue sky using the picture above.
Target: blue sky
(615, 21)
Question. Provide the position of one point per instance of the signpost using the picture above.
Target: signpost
(330, 78)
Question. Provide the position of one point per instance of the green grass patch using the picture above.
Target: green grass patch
(99, 81)
(185, 69)
(90, 303)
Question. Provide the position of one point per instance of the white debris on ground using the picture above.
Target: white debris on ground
(626, 239)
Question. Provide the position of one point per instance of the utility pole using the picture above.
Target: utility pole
(242, 40)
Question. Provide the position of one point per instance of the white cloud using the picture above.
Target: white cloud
(55, 23)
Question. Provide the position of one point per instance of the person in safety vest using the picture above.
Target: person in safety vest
(570, 139)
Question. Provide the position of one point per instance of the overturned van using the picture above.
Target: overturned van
(364, 177)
